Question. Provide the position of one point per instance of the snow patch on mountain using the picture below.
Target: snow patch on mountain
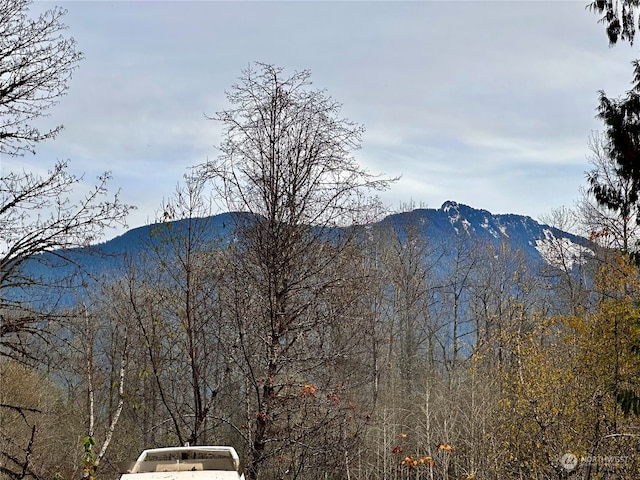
(448, 205)
(561, 252)
(487, 226)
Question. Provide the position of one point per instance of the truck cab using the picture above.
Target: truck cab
(185, 463)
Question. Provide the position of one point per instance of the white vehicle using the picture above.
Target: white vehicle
(185, 463)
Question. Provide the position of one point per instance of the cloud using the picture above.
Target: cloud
(485, 103)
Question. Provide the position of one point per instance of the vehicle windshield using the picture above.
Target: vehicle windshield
(181, 461)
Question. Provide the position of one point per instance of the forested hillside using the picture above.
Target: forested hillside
(433, 343)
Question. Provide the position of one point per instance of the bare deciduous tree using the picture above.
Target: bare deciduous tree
(36, 63)
(286, 160)
(37, 212)
(38, 216)
(184, 266)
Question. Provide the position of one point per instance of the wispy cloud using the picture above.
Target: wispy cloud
(486, 103)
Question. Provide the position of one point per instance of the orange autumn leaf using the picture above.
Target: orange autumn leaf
(445, 447)
(410, 462)
(309, 390)
(428, 461)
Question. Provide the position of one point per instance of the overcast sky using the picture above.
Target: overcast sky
(489, 104)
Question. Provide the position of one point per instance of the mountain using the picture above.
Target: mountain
(454, 222)
(444, 229)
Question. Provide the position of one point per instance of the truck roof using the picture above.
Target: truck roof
(185, 463)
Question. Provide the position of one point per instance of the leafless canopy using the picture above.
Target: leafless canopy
(36, 63)
(286, 160)
(286, 153)
(38, 214)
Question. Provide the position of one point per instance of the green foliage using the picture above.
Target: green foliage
(629, 401)
(621, 118)
(89, 458)
(619, 17)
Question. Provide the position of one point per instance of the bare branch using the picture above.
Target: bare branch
(36, 64)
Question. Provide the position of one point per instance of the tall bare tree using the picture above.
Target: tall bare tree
(185, 261)
(38, 213)
(408, 267)
(452, 301)
(286, 160)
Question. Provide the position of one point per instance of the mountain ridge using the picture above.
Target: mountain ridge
(521, 232)
(444, 229)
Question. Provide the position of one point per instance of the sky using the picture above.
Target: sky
(486, 103)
